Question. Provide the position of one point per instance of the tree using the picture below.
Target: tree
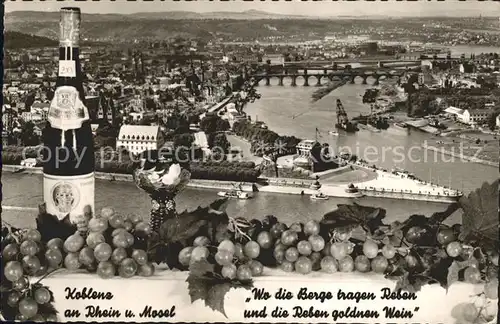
(178, 123)
(150, 104)
(212, 123)
(28, 136)
(105, 136)
(183, 140)
(220, 142)
(492, 121)
(30, 99)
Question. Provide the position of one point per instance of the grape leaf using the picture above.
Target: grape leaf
(51, 227)
(171, 255)
(181, 229)
(410, 282)
(440, 217)
(212, 290)
(215, 297)
(268, 222)
(201, 268)
(454, 270)
(480, 218)
(351, 216)
(203, 284)
(198, 288)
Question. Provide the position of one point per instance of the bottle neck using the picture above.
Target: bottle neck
(70, 70)
(69, 53)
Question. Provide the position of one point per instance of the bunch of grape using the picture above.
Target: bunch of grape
(22, 258)
(234, 260)
(108, 247)
(481, 310)
(301, 248)
(480, 271)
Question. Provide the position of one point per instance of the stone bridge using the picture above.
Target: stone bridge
(373, 60)
(308, 78)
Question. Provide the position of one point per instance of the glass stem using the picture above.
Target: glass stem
(163, 209)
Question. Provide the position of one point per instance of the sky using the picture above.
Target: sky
(325, 8)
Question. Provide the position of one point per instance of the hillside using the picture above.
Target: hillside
(30, 16)
(16, 40)
(229, 26)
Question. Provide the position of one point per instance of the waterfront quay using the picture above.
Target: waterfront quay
(25, 191)
(376, 183)
(369, 181)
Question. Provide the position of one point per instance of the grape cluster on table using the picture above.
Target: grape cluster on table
(234, 260)
(304, 248)
(22, 258)
(109, 247)
(115, 245)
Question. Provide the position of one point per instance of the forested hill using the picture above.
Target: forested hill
(16, 40)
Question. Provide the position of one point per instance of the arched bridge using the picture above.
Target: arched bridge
(343, 74)
(342, 62)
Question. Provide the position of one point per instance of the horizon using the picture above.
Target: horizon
(360, 9)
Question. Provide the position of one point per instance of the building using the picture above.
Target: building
(306, 147)
(307, 151)
(474, 117)
(426, 78)
(454, 112)
(37, 131)
(201, 141)
(92, 103)
(136, 116)
(427, 64)
(233, 115)
(498, 121)
(369, 47)
(40, 106)
(106, 110)
(137, 138)
(467, 68)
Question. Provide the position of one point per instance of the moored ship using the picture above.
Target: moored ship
(234, 194)
(369, 128)
(401, 125)
(451, 196)
(343, 121)
(319, 196)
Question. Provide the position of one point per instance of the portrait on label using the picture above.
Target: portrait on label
(65, 197)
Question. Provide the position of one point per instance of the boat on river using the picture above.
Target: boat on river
(400, 126)
(369, 128)
(319, 196)
(333, 133)
(237, 194)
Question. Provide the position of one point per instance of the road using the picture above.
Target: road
(244, 146)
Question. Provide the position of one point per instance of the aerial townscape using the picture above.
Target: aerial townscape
(272, 115)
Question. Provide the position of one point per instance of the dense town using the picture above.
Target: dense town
(170, 94)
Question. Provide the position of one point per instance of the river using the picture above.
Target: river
(26, 190)
(288, 110)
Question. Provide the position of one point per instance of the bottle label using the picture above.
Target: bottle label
(66, 110)
(69, 28)
(67, 69)
(69, 195)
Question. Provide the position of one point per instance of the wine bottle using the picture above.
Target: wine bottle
(69, 161)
